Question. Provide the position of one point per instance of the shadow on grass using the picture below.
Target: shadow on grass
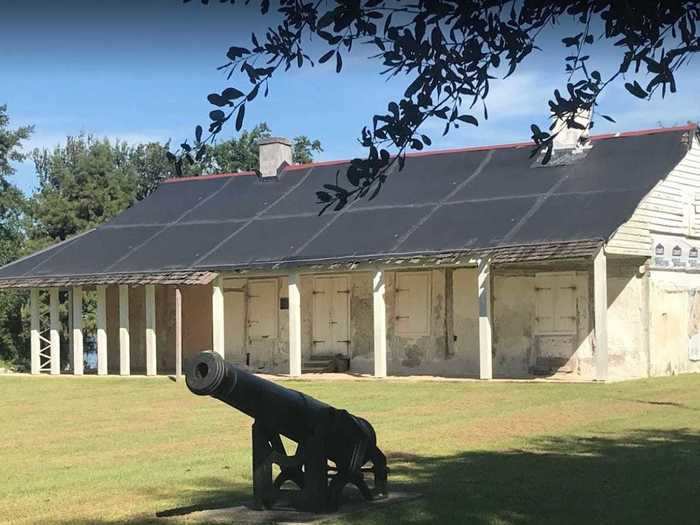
(648, 476)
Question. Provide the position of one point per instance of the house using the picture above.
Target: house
(475, 262)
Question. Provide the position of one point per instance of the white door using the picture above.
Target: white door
(331, 315)
(262, 310)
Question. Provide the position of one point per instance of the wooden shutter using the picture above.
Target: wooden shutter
(555, 302)
(565, 305)
(413, 303)
(544, 303)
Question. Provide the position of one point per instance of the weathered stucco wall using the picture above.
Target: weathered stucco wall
(627, 320)
(519, 347)
(674, 322)
(427, 354)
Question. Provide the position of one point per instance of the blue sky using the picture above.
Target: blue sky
(140, 71)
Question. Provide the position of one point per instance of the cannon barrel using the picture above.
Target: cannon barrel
(286, 411)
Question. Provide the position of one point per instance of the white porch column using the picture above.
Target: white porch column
(294, 324)
(178, 334)
(151, 351)
(485, 320)
(218, 316)
(77, 331)
(55, 331)
(124, 336)
(35, 340)
(600, 308)
(101, 330)
(379, 304)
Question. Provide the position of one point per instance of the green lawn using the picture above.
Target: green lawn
(110, 450)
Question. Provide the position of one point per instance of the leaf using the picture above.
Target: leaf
(469, 119)
(200, 152)
(217, 100)
(231, 93)
(326, 57)
(217, 115)
(636, 90)
(239, 118)
(338, 62)
(325, 20)
(198, 133)
(253, 93)
(413, 88)
(323, 196)
(236, 52)
(608, 118)
(548, 153)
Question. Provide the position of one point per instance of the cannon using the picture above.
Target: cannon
(334, 448)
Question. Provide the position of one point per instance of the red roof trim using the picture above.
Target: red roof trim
(417, 154)
(641, 132)
(603, 136)
(515, 145)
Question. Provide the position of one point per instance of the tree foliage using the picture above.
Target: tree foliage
(12, 212)
(81, 184)
(240, 153)
(449, 51)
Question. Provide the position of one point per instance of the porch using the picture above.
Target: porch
(470, 318)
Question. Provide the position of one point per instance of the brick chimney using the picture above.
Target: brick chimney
(275, 153)
(571, 138)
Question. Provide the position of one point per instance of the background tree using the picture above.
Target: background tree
(12, 211)
(81, 184)
(151, 164)
(242, 153)
(304, 149)
(449, 51)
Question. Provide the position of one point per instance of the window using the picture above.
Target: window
(555, 296)
(413, 303)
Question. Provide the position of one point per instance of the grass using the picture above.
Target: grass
(112, 450)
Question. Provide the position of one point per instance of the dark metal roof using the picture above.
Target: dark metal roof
(455, 201)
